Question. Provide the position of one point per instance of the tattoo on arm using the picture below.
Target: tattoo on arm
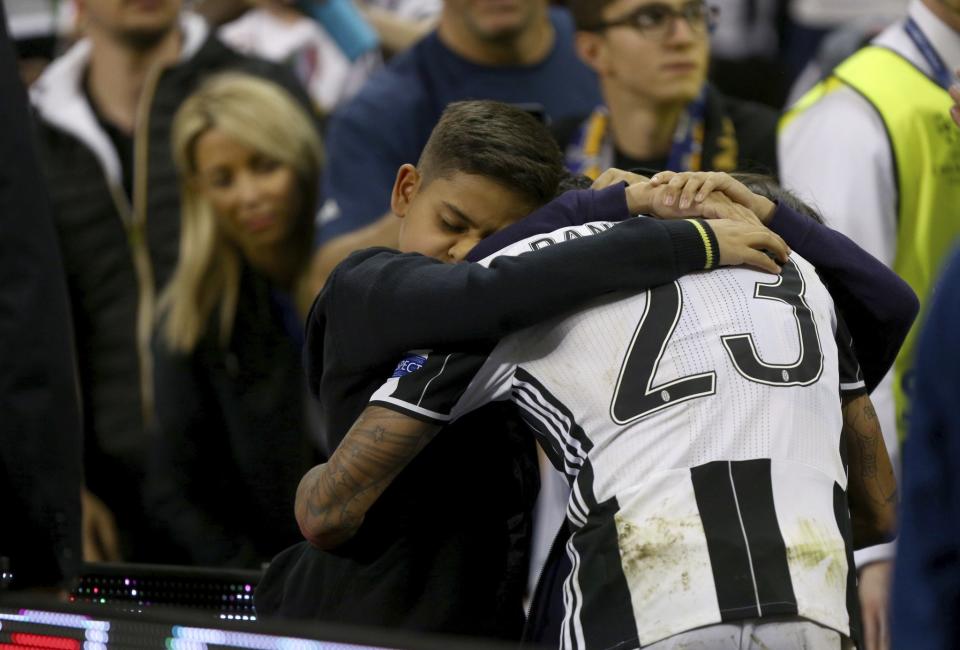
(333, 498)
(868, 453)
(863, 426)
(872, 487)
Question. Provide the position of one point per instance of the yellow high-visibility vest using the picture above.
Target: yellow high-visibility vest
(925, 144)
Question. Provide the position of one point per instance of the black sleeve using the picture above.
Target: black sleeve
(379, 304)
(428, 385)
(851, 377)
(40, 431)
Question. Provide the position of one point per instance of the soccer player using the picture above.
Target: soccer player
(454, 560)
(700, 427)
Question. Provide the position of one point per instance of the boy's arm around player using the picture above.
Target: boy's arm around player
(379, 303)
(333, 497)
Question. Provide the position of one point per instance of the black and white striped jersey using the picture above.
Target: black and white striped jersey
(699, 424)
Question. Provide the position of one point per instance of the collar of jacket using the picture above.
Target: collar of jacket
(61, 102)
(943, 39)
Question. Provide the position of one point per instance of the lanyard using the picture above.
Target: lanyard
(941, 73)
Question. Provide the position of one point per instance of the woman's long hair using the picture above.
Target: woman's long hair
(263, 116)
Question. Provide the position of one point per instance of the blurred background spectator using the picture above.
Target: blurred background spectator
(926, 594)
(104, 110)
(873, 148)
(401, 23)
(658, 112)
(232, 405)
(926, 598)
(398, 23)
(40, 469)
(277, 31)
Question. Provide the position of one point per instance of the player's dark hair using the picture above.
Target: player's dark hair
(587, 14)
(571, 181)
(766, 186)
(497, 141)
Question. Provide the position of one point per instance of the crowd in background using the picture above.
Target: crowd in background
(206, 168)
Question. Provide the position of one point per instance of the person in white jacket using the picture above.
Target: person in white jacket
(837, 155)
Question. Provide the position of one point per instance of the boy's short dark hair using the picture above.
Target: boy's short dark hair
(587, 14)
(497, 141)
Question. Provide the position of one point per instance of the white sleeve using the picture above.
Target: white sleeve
(836, 156)
(871, 554)
(441, 387)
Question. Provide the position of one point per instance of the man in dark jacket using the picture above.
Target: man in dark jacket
(105, 109)
(659, 113)
(926, 600)
(40, 470)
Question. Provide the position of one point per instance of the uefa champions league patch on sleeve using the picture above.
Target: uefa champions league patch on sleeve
(410, 363)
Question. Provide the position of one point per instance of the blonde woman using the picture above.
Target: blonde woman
(231, 403)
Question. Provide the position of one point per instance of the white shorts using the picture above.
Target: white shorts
(774, 633)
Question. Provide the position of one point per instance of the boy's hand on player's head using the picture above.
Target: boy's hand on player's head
(647, 198)
(686, 189)
(717, 205)
(750, 244)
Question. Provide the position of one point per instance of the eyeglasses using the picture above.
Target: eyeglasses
(656, 20)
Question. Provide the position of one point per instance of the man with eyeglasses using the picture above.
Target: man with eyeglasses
(659, 112)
